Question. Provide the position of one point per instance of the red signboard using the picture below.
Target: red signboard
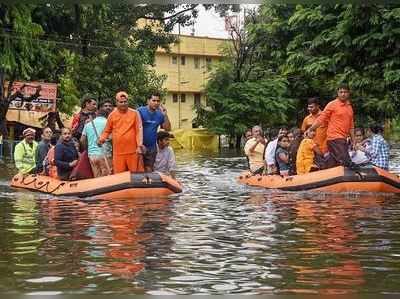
(46, 102)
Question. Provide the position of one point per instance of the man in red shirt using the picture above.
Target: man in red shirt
(338, 115)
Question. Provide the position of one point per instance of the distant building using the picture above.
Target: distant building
(187, 68)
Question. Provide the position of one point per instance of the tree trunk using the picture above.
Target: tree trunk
(238, 141)
(3, 107)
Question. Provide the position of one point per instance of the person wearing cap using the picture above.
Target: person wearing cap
(165, 158)
(125, 125)
(25, 152)
(153, 116)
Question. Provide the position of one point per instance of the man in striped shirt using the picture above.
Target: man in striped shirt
(378, 152)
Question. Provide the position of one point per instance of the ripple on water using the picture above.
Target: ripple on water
(217, 237)
(45, 279)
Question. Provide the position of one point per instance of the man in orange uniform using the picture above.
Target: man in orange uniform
(125, 126)
(320, 134)
(338, 114)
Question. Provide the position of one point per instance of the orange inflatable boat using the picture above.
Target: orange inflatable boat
(121, 185)
(338, 179)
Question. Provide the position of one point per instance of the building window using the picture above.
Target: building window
(183, 60)
(208, 63)
(196, 62)
(174, 98)
(183, 98)
(174, 60)
(197, 99)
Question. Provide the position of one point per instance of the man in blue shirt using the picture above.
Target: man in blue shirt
(378, 152)
(153, 115)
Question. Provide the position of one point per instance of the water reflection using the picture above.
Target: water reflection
(217, 237)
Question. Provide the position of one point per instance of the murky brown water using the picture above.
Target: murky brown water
(217, 237)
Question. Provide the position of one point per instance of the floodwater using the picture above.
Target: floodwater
(217, 237)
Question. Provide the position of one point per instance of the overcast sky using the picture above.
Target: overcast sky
(208, 23)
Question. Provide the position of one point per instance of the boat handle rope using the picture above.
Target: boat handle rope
(26, 184)
(40, 187)
(360, 175)
(56, 188)
(47, 184)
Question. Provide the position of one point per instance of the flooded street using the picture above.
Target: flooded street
(217, 237)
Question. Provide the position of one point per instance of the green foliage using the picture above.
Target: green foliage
(236, 106)
(88, 48)
(323, 45)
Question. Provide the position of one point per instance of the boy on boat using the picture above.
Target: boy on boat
(165, 158)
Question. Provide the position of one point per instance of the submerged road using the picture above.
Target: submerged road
(217, 237)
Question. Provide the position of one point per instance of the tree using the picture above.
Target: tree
(240, 93)
(316, 47)
(20, 55)
(86, 48)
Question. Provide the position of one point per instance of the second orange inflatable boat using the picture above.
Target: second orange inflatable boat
(338, 179)
(121, 185)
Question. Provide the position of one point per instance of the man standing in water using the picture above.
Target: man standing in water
(153, 115)
(125, 126)
(338, 115)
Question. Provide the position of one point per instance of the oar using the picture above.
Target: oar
(102, 148)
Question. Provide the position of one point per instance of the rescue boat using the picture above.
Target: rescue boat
(116, 186)
(337, 179)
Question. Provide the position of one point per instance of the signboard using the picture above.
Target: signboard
(46, 102)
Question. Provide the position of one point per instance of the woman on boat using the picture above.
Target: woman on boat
(307, 153)
(282, 155)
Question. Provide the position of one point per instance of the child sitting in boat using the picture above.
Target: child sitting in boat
(165, 158)
(49, 164)
(358, 150)
(282, 155)
(307, 152)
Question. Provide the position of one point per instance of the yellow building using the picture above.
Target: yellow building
(187, 68)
